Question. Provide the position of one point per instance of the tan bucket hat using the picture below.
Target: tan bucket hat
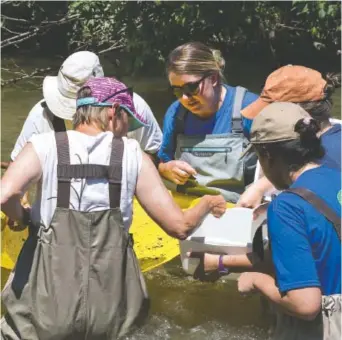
(60, 92)
(291, 83)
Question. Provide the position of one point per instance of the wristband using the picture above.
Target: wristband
(221, 267)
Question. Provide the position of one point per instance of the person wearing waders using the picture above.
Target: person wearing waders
(77, 276)
(204, 133)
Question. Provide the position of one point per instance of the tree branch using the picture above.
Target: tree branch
(25, 76)
(13, 19)
(44, 26)
(112, 48)
(291, 28)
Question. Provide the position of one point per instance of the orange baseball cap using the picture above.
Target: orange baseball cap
(291, 83)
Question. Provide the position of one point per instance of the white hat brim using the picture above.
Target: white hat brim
(59, 105)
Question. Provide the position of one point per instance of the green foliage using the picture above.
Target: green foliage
(142, 33)
(149, 30)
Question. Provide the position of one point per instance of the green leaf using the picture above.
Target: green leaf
(321, 13)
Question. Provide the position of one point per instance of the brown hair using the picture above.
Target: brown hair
(195, 58)
(321, 109)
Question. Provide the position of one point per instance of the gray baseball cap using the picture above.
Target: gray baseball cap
(276, 123)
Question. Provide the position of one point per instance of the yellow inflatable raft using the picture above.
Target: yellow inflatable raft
(152, 245)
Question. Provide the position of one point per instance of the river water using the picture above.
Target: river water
(181, 308)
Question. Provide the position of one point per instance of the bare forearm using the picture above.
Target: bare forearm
(249, 262)
(237, 261)
(193, 216)
(263, 185)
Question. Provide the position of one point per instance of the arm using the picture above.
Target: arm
(238, 263)
(253, 195)
(158, 203)
(15, 181)
(32, 126)
(298, 286)
(304, 303)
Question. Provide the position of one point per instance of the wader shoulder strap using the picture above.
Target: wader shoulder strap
(237, 126)
(320, 205)
(180, 120)
(67, 171)
(57, 123)
(179, 123)
(63, 155)
(115, 172)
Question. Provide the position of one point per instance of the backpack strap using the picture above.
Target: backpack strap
(320, 205)
(63, 182)
(237, 126)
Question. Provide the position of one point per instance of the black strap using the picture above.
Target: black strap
(320, 205)
(115, 175)
(91, 171)
(58, 124)
(67, 171)
(63, 155)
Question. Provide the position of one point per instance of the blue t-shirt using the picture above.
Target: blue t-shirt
(219, 123)
(331, 140)
(306, 250)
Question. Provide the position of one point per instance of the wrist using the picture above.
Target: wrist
(210, 201)
(221, 267)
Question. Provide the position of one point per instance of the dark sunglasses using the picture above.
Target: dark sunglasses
(127, 89)
(189, 89)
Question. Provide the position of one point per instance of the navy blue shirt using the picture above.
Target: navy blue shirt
(331, 141)
(219, 123)
(306, 250)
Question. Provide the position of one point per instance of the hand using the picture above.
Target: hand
(251, 198)
(246, 282)
(178, 171)
(218, 205)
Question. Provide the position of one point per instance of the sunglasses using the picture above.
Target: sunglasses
(127, 89)
(189, 89)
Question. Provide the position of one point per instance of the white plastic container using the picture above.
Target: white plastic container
(232, 233)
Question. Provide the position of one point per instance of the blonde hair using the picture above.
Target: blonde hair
(195, 58)
(90, 114)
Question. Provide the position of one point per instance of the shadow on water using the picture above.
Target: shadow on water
(181, 307)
